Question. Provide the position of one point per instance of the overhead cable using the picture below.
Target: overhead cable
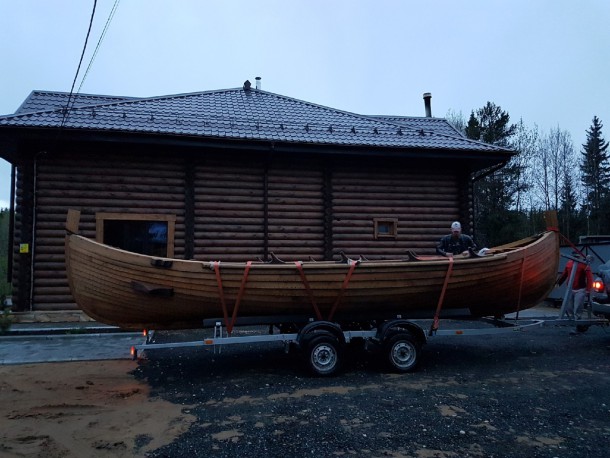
(108, 21)
(67, 110)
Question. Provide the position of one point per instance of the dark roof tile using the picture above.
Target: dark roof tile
(240, 114)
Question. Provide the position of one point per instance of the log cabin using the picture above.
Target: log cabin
(230, 175)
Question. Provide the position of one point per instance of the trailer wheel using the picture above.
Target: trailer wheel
(323, 353)
(402, 351)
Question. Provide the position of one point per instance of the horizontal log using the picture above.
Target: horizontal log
(204, 252)
(229, 243)
(213, 176)
(241, 219)
(297, 237)
(296, 229)
(230, 202)
(222, 187)
(151, 207)
(229, 206)
(232, 227)
(275, 186)
(124, 204)
(233, 235)
(404, 187)
(56, 305)
(110, 195)
(46, 295)
(57, 291)
(214, 192)
(394, 199)
(348, 214)
(52, 278)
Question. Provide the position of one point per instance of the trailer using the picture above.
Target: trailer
(398, 341)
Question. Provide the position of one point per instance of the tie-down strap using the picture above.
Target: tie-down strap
(344, 286)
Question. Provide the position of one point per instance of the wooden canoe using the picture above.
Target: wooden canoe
(135, 291)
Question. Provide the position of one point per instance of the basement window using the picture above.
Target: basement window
(149, 234)
(385, 227)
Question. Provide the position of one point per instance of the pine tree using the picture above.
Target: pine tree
(494, 194)
(595, 169)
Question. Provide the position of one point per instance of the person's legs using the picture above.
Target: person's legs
(579, 300)
(569, 310)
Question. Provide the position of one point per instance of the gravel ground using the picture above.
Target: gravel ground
(540, 393)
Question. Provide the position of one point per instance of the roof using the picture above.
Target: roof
(239, 114)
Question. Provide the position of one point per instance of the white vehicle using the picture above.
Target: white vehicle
(600, 296)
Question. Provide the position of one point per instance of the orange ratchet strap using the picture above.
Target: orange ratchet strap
(308, 289)
(353, 265)
(230, 324)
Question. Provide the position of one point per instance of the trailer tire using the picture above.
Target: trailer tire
(323, 353)
(402, 351)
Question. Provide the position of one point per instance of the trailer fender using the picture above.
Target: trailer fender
(390, 327)
(321, 326)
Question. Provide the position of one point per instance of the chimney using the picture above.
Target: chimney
(258, 83)
(247, 85)
(427, 103)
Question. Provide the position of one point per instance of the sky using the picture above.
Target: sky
(546, 62)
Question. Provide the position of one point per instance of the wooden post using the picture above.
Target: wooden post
(72, 221)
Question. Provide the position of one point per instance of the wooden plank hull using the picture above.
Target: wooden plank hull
(135, 291)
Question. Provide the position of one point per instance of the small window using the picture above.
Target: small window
(145, 234)
(385, 227)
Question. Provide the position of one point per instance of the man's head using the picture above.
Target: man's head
(456, 228)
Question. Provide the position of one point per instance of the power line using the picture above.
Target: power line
(67, 110)
(108, 21)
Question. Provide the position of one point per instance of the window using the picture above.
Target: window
(145, 234)
(385, 227)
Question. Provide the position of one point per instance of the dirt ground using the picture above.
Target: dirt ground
(544, 393)
(83, 409)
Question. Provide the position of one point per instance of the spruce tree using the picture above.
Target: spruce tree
(595, 169)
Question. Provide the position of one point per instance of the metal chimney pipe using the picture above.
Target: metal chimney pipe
(428, 104)
(258, 82)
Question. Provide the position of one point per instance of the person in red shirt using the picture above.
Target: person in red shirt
(581, 286)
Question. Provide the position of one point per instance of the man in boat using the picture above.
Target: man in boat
(581, 286)
(456, 242)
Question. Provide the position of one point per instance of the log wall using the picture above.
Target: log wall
(296, 211)
(232, 209)
(114, 184)
(424, 202)
(229, 211)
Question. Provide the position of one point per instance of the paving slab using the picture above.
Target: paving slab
(25, 349)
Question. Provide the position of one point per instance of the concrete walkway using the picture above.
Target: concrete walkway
(18, 348)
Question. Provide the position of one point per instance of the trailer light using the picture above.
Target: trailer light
(144, 332)
(598, 285)
(208, 341)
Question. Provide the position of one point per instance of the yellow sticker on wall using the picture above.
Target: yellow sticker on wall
(24, 248)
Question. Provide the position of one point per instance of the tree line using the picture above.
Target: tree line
(548, 173)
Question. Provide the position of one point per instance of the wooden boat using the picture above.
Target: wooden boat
(136, 291)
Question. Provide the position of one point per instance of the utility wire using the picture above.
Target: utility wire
(67, 109)
(108, 21)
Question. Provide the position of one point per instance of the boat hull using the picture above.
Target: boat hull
(135, 291)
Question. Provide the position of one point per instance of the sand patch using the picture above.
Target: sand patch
(76, 409)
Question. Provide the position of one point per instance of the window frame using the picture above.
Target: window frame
(393, 225)
(100, 217)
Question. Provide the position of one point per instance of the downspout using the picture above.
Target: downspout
(33, 248)
(11, 228)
